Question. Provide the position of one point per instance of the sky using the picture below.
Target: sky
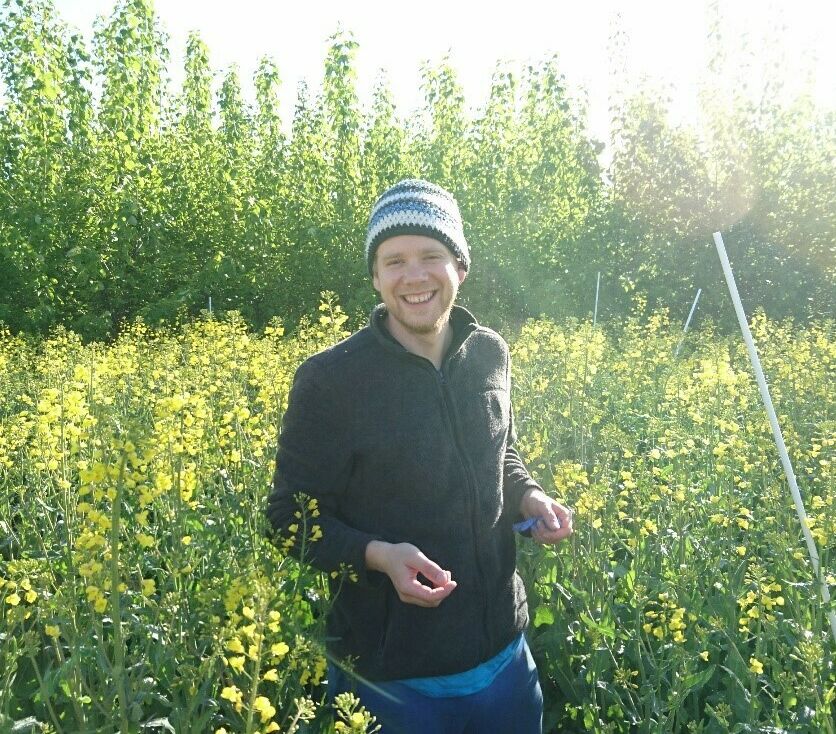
(666, 42)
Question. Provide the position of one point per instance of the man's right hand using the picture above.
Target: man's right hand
(402, 562)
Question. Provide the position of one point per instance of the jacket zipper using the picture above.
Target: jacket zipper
(474, 500)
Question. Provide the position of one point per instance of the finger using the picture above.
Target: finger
(432, 571)
(564, 514)
(440, 592)
(547, 537)
(417, 590)
(549, 521)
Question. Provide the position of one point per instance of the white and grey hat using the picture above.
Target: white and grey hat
(415, 206)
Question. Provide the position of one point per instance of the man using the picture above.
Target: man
(403, 435)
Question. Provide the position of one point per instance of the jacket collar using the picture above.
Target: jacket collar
(462, 321)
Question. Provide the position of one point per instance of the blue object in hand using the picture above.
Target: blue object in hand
(529, 524)
(521, 527)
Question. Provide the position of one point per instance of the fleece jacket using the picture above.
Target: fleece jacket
(393, 449)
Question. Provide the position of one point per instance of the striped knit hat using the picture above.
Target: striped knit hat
(415, 206)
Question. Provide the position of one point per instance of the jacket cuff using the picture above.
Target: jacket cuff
(515, 495)
(363, 575)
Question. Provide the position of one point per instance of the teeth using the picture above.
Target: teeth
(418, 299)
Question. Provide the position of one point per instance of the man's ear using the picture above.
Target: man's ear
(462, 273)
(375, 279)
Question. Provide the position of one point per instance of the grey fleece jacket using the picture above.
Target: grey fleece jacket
(395, 450)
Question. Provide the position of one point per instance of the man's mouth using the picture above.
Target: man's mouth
(416, 299)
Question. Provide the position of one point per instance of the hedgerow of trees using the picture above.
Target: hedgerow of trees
(120, 198)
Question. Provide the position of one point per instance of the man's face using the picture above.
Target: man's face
(418, 279)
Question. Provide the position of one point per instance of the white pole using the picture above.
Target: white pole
(776, 429)
(597, 287)
(210, 304)
(687, 323)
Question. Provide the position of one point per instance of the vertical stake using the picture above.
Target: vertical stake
(687, 323)
(776, 429)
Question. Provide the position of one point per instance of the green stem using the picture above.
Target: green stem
(115, 598)
(44, 695)
(256, 676)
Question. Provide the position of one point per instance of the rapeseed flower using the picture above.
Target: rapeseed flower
(264, 708)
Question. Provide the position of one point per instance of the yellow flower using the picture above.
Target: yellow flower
(237, 663)
(271, 675)
(280, 649)
(100, 604)
(30, 596)
(149, 586)
(187, 539)
(234, 645)
(704, 655)
(53, 631)
(755, 665)
(741, 550)
(145, 540)
(248, 613)
(356, 719)
(264, 708)
(232, 693)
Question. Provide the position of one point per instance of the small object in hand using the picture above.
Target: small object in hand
(529, 524)
(521, 527)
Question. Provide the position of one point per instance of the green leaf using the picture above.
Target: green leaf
(607, 630)
(696, 681)
(159, 723)
(543, 615)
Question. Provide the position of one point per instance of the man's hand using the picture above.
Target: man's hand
(556, 520)
(402, 562)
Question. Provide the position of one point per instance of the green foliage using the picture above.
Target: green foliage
(136, 201)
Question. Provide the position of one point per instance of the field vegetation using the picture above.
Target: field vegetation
(139, 584)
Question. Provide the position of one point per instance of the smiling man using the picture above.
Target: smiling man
(403, 433)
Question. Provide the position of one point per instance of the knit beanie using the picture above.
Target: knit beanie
(415, 206)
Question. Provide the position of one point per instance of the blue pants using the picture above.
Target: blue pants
(512, 704)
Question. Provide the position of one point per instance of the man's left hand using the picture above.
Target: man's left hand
(555, 519)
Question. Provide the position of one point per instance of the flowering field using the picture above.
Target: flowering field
(133, 479)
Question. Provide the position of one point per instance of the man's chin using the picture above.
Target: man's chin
(423, 328)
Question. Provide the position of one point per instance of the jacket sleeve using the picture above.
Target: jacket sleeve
(313, 464)
(516, 479)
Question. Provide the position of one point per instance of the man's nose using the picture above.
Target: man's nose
(416, 271)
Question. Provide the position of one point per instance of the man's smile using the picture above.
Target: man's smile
(418, 298)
